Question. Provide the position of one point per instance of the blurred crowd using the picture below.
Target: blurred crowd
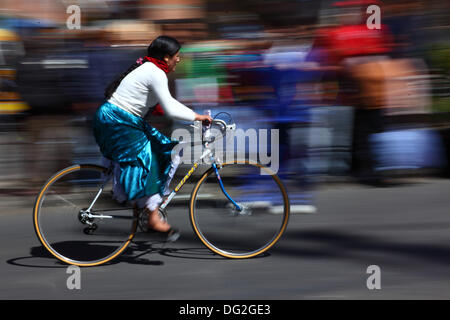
(348, 100)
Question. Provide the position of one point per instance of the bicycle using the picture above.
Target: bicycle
(77, 220)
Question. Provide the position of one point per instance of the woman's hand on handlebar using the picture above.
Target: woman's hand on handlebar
(205, 119)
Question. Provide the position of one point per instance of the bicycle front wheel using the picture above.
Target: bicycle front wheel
(77, 220)
(243, 213)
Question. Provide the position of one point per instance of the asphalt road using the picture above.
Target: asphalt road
(404, 231)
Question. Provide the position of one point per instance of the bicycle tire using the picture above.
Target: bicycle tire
(41, 205)
(200, 230)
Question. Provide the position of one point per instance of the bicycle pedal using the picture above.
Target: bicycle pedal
(174, 236)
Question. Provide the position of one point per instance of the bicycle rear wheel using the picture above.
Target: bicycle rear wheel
(76, 219)
(248, 229)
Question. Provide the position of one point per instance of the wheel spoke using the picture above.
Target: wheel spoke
(249, 229)
(64, 199)
(76, 229)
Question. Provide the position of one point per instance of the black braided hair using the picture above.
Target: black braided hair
(112, 87)
(162, 46)
(158, 49)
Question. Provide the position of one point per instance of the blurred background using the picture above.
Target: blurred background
(370, 106)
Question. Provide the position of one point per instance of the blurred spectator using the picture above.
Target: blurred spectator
(358, 50)
(245, 62)
(295, 92)
(11, 51)
(40, 79)
(12, 109)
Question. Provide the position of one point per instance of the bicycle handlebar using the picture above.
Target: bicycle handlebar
(223, 127)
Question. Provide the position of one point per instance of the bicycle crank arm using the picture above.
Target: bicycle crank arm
(103, 216)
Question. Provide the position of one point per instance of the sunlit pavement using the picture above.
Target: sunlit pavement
(404, 230)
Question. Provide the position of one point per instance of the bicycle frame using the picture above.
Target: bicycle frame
(206, 153)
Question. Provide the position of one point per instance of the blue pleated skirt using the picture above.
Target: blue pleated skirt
(142, 152)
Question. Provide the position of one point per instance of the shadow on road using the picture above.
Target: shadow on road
(326, 244)
(135, 254)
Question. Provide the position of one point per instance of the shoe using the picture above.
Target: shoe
(171, 235)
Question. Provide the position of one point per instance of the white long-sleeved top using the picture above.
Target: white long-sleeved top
(143, 88)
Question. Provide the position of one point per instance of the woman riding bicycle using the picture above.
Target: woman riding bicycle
(141, 155)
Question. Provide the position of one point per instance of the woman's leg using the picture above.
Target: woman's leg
(152, 203)
(152, 208)
(173, 168)
(118, 192)
(154, 220)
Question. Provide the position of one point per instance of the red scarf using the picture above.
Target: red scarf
(157, 109)
(159, 63)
